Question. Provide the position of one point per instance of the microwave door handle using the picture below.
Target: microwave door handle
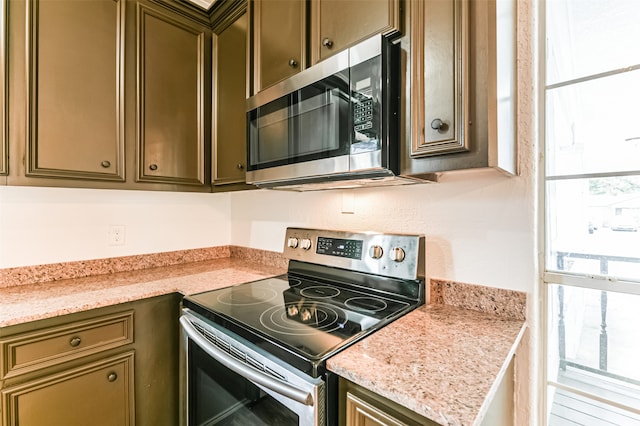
(245, 371)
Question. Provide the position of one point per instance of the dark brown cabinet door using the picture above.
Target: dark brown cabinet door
(3, 93)
(462, 77)
(75, 127)
(279, 36)
(99, 393)
(171, 98)
(230, 91)
(336, 24)
(439, 84)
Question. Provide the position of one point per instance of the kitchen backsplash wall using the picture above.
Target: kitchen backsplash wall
(478, 225)
(53, 225)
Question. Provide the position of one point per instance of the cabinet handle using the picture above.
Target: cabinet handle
(293, 63)
(75, 341)
(106, 164)
(153, 167)
(112, 377)
(326, 42)
(240, 166)
(439, 125)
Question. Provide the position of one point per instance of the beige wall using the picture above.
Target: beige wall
(50, 225)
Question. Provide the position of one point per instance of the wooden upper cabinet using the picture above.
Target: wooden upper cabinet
(279, 40)
(171, 98)
(439, 76)
(288, 38)
(462, 77)
(75, 89)
(229, 95)
(336, 24)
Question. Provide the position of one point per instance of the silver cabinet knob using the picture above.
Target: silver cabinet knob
(75, 341)
(376, 252)
(439, 125)
(153, 167)
(240, 166)
(293, 63)
(397, 254)
(327, 42)
(112, 377)
(106, 164)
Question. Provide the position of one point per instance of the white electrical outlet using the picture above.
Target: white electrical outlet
(116, 235)
(348, 202)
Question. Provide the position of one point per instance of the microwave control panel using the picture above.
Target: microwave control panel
(363, 114)
(365, 104)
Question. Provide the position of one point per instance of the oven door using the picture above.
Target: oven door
(228, 383)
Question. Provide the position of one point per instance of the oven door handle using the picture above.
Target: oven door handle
(244, 370)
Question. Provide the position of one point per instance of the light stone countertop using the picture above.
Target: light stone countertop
(31, 302)
(442, 362)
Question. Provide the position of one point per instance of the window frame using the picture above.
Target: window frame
(549, 277)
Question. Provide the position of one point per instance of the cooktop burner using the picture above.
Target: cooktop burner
(366, 304)
(303, 319)
(243, 298)
(319, 292)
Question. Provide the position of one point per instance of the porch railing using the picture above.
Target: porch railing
(603, 344)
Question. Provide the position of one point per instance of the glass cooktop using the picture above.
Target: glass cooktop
(309, 318)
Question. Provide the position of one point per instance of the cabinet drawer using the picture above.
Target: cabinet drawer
(43, 348)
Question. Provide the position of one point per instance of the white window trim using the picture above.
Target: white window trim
(547, 277)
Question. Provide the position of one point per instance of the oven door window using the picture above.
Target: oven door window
(219, 396)
(309, 124)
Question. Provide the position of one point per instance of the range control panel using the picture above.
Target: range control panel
(340, 247)
(393, 255)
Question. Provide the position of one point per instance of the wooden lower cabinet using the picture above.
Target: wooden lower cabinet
(117, 365)
(99, 393)
(359, 406)
(362, 407)
(362, 413)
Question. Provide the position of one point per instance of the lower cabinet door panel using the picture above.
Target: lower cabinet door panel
(362, 413)
(98, 394)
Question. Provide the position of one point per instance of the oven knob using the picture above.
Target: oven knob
(292, 242)
(305, 243)
(397, 254)
(376, 252)
(306, 315)
(292, 310)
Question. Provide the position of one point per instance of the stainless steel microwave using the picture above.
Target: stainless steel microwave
(335, 124)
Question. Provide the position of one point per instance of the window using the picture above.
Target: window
(592, 206)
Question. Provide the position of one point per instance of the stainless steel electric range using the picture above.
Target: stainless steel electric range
(255, 353)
